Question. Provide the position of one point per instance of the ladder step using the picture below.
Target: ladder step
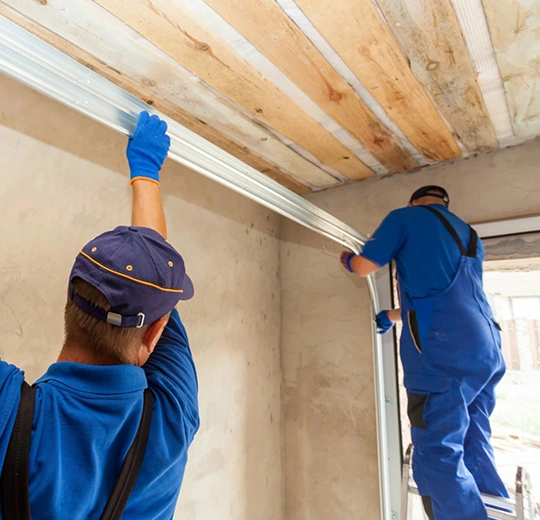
(489, 500)
(500, 515)
(498, 508)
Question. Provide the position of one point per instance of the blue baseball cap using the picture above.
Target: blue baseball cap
(142, 276)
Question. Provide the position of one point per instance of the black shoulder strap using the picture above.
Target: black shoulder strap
(471, 251)
(14, 479)
(131, 465)
(473, 244)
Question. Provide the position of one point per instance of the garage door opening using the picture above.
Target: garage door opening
(513, 289)
(512, 285)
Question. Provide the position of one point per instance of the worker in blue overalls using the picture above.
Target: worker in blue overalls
(450, 350)
(105, 432)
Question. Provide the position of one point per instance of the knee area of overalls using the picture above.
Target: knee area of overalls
(428, 398)
(416, 404)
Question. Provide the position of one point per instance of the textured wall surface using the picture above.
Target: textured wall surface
(329, 414)
(63, 180)
(330, 436)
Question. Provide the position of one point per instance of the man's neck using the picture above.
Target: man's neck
(429, 201)
(76, 353)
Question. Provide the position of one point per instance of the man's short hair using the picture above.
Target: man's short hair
(104, 339)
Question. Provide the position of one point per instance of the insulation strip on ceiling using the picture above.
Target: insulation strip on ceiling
(473, 23)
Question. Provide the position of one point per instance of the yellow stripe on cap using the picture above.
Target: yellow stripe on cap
(130, 277)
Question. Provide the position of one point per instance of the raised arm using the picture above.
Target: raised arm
(147, 209)
(146, 152)
(170, 370)
(380, 249)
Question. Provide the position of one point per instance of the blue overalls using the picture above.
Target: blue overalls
(452, 360)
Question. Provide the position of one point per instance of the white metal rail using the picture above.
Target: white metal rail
(33, 62)
(39, 65)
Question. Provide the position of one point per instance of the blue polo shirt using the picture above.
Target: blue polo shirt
(85, 420)
(426, 255)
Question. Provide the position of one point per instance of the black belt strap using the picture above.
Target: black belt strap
(132, 464)
(14, 479)
(473, 241)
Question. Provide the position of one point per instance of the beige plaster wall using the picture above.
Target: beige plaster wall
(329, 414)
(63, 180)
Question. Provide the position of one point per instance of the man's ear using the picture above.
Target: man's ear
(152, 335)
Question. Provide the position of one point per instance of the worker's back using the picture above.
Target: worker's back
(426, 255)
(85, 420)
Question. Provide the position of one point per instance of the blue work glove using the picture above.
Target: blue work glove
(346, 258)
(148, 148)
(384, 324)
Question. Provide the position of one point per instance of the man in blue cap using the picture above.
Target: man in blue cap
(106, 430)
(450, 350)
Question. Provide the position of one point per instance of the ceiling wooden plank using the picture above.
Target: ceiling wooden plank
(173, 29)
(283, 43)
(514, 26)
(359, 34)
(153, 77)
(430, 35)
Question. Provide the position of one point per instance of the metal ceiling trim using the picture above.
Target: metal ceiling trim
(35, 63)
(40, 66)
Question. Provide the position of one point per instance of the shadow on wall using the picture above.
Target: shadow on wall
(329, 405)
(41, 118)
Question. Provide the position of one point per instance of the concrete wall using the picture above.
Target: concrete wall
(330, 436)
(63, 180)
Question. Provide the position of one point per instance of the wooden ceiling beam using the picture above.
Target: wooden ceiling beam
(359, 34)
(283, 43)
(174, 30)
(131, 65)
(431, 37)
(514, 27)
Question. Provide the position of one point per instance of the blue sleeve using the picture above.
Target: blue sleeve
(170, 371)
(383, 246)
(11, 379)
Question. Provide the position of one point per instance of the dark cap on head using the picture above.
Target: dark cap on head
(431, 191)
(142, 276)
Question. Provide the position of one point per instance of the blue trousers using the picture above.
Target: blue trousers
(453, 456)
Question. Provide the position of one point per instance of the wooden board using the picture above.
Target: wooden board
(514, 26)
(358, 33)
(171, 28)
(167, 108)
(283, 43)
(154, 77)
(430, 35)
